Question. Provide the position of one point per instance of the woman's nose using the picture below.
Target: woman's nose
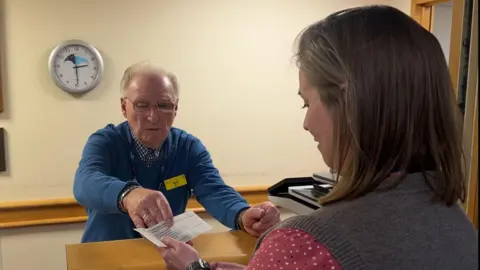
(305, 123)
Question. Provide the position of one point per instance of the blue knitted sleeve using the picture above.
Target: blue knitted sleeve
(220, 200)
(93, 187)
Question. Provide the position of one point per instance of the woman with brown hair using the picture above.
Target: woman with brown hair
(381, 106)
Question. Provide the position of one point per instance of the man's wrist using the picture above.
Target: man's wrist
(126, 190)
(239, 222)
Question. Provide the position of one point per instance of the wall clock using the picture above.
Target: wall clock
(76, 66)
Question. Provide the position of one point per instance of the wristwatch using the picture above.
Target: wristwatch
(127, 189)
(240, 221)
(199, 265)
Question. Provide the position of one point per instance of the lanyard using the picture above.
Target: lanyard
(132, 167)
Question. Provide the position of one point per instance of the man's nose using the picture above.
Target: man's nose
(305, 123)
(152, 115)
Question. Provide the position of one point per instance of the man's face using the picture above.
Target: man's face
(150, 108)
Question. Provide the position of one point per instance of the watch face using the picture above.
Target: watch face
(76, 67)
(203, 263)
(200, 264)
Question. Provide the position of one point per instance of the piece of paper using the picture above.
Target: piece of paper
(185, 227)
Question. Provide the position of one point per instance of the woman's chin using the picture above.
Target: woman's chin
(327, 160)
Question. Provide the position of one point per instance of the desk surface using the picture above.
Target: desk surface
(140, 254)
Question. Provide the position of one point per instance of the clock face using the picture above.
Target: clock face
(76, 67)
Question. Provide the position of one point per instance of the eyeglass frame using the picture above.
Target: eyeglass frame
(150, 107)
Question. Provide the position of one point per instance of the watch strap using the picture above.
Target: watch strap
(127, 189)
(199, 265)
(239, 219)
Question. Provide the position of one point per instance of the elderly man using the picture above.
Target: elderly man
(143, 171)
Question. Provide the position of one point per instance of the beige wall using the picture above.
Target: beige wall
(233, 54)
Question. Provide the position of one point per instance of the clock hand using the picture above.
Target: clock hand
(80, 66)
(76, 72)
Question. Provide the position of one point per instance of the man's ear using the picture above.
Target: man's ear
(123, 107)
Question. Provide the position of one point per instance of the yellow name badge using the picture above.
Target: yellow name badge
(175, 182)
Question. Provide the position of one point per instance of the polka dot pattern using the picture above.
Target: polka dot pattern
(292, 249)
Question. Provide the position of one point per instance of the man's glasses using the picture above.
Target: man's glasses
(145, 107)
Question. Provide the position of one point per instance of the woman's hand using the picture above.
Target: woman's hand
(177, 254)
(227, 266)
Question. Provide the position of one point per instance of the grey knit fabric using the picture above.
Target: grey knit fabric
(400, 228)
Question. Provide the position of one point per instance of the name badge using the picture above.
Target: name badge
(175, 182)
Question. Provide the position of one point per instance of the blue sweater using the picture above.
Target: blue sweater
(109, 162)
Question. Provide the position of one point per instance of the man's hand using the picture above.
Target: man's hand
(259, 218)
(178, 255)
(227, 266)
(147, 207)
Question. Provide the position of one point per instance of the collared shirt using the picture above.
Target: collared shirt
(147, 155)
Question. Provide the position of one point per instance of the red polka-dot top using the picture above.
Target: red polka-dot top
(292, 249)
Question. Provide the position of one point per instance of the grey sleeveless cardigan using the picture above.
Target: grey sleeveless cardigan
(401, 228)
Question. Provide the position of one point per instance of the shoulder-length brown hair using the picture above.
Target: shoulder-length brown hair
(386, 81)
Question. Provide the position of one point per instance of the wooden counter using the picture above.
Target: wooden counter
(139, 254)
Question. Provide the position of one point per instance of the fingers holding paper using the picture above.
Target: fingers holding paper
(178, 254)
(147, 207)
(186, 227)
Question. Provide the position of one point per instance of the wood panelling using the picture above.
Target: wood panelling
(3, 163)
(470, 131)
(1, 82)
(67, 210)
(472, 176)
(472, 199)
(422, 14)
(456, 43)
(429, 2)
(422, 11)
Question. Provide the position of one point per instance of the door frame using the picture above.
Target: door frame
(423, 12)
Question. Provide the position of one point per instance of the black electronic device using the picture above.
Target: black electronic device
(301, 194)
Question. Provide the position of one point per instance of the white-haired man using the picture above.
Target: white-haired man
(143, 171)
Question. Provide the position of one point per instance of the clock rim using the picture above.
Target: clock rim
(57, 80)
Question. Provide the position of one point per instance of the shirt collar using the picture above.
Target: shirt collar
(143, 150)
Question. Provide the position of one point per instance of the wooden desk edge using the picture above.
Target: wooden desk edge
(240, 253)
